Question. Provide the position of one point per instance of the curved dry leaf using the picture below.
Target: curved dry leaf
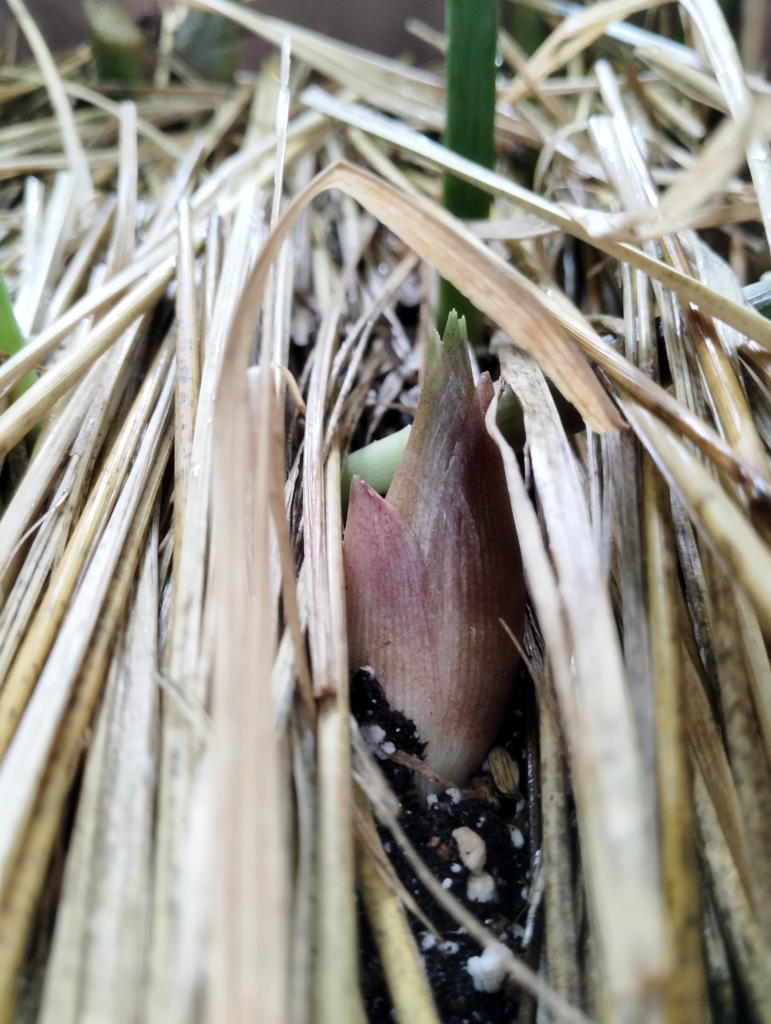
(76, 156)
(611, 787)
(573, 35)
(745, 320)
(365, 72)
(727, 529)
(724, 58)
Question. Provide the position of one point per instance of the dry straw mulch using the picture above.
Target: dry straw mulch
(181, 789)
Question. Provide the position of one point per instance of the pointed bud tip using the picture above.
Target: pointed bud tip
(455, 333)
(361, 490)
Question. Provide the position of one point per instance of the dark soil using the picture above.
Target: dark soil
(504, 825)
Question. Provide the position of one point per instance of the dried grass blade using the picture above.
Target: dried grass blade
(160, 139)
(25, 412)
(493, 285)
(177, 926)
(224, 117)
(748, 764)
(100, 944)
(655, 399)
(41, 634)
(721, 49)
(727, 530)
(178, 186)
(75, 155)
(686, 991)
(561, 930)
(573, 35)
(49, 546)
(276, 297)
(747, 321)
(336, 969)
(21, 890)
(705, 180)
(631, 176)
(122, 242)
(35, 484)
(47, 255)
(338, 992)
(623, 456)
(744, 937)
(407, 982)
(103, 296)
(354, 67)
(691, 80)
(710, 755)
(251, 925)
(381, 163)
(303, 894)
(80, 263)
(188, 372)
(24, 762)
(758, 668)
(185, 636)
(292, 613)
(622, 873)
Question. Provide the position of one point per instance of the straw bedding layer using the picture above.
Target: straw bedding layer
(191, 825)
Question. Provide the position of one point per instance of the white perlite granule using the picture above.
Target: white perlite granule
(481, 888)
(517, 839)
(488, 970)
(373, 736)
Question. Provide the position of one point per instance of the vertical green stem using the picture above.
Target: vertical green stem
(527, 27)
(471, 27)
(11, 339)
(118, 45)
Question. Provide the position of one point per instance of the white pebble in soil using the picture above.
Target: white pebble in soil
(454, 795)
(427, 941)
(488, 970)
(373, 736)
(449, 948)
(471, 848)
(432, 799)
(517, 839)
(447, 883)
(481, 888)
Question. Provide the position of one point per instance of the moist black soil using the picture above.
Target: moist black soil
(503, 823)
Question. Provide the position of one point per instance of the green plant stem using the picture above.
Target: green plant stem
(12, 340)
(209, 45)
(117, 43)
(471, 27)
(527, 27)
(377, 462)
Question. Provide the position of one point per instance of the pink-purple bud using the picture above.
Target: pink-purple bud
(431, 569)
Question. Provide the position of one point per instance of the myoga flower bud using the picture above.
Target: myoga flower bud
(432, 569)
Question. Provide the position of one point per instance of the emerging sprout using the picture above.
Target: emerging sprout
(209, 45)
(118, 45)
(432, 569)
